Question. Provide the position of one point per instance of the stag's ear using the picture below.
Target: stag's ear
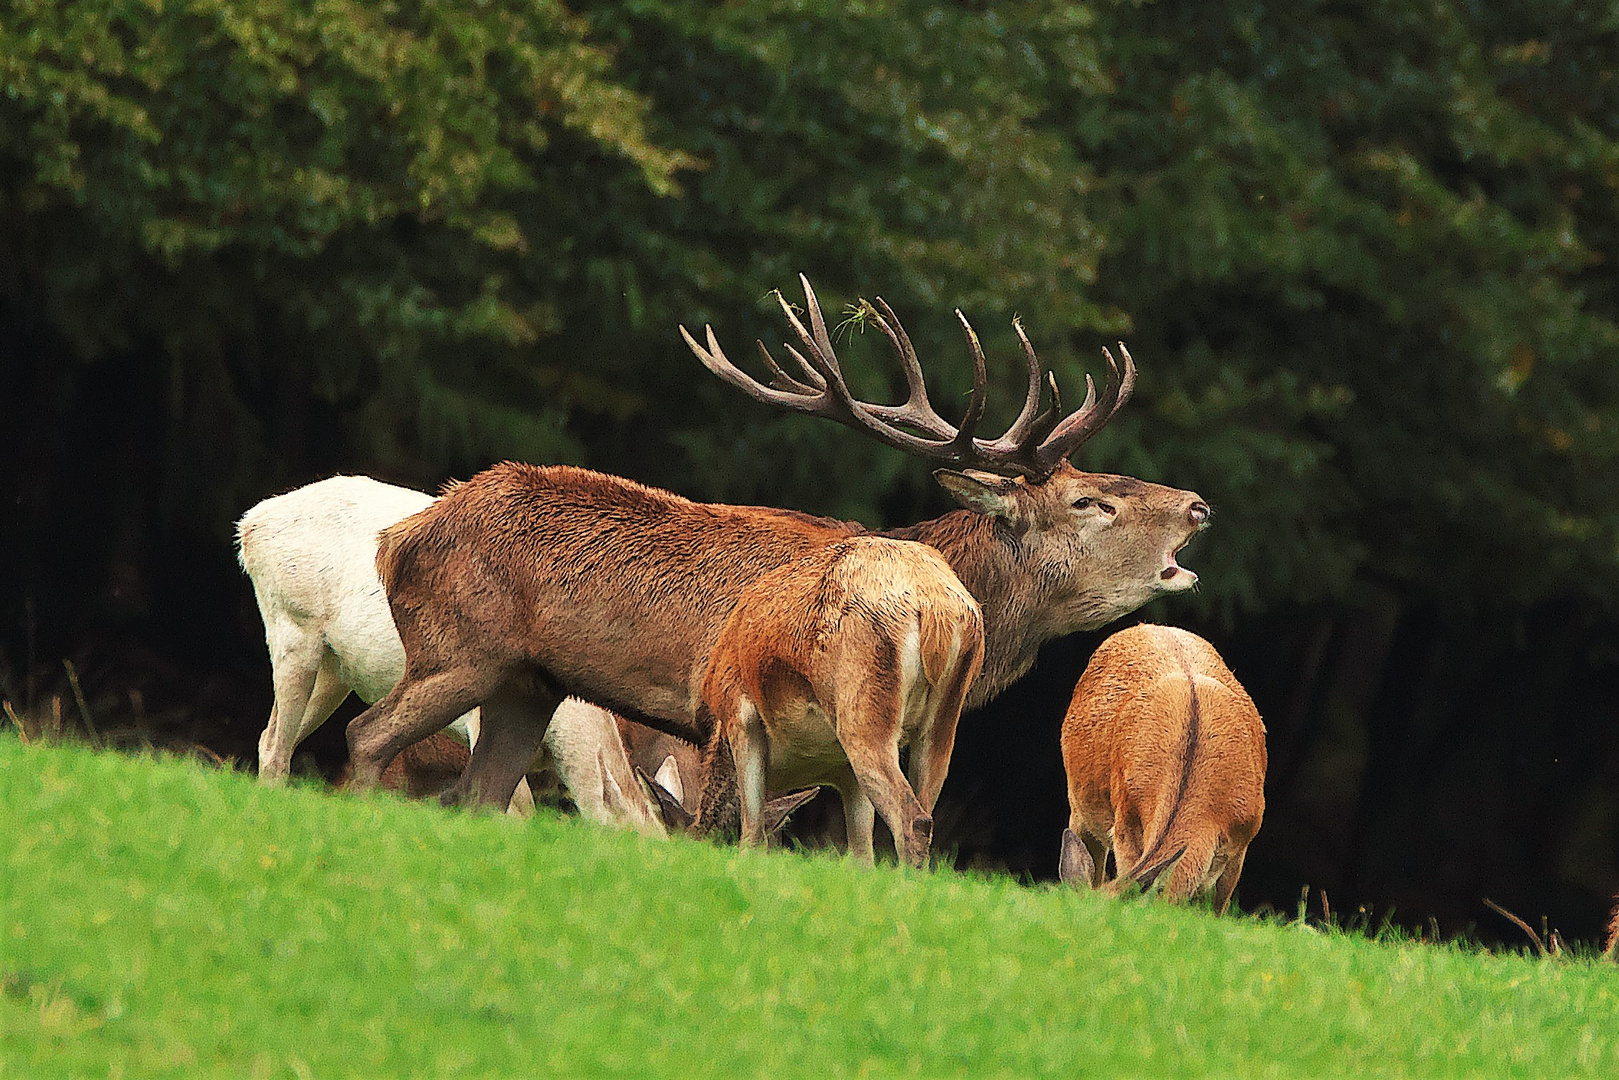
(984, 492)
(1075, 866)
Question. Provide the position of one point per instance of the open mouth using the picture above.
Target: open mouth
(1173, 569)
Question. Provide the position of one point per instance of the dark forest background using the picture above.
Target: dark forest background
(1361, 253)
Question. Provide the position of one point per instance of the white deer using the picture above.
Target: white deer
(311, 555)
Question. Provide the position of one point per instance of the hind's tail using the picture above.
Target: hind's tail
(1166, 844)
(1190, 861)
(1145, 873)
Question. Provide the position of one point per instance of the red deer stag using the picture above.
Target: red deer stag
(527, 583)
(827, 664)
(311, 554)
(1165, 755)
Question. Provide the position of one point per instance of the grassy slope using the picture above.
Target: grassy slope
(157, 917)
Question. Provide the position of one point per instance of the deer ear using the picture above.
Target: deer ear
(984, 492)
(675, 816)
(1075, 866)
(612, 795)
(776, 812)
(668, 775)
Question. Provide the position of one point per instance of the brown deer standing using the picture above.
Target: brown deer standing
(1165, 755)
(1611, 949)
(527, 583)
(828, 664)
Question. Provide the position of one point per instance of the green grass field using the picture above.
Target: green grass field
(158, 917)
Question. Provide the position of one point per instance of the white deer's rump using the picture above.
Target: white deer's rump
(311, 555)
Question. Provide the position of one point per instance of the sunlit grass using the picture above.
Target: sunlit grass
(161, 917)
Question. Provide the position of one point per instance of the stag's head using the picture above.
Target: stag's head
(1103, 544)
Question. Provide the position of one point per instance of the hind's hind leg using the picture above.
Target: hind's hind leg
(1127, 841)
(868, 725)
(1227, 883)
(750, 750)
(307, 691)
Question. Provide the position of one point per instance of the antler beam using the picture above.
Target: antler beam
(1034, 445)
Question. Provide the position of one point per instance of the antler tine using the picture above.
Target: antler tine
(1089, 417)
(821, 364)
(1023, 427)
(1042, 425)
(890, 325)
(916, 410)
(816, 375)
(1127, 378)
(783, 381)
(715, 360)
(975, 406)
(823, 341)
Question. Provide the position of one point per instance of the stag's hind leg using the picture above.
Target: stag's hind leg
(415, 708)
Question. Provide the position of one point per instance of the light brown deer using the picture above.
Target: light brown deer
(828, 664)
(1611, 949)
(527, 583)
(1165, 755)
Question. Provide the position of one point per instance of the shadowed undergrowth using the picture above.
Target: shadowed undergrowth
(161, 917)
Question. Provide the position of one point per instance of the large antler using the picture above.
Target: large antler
(1033, 446)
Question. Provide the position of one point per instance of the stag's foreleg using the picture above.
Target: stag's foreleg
(512, 726)
(750, 750)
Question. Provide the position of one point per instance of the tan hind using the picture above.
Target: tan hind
(1165, 755)
(828, 664)
(1611, 949)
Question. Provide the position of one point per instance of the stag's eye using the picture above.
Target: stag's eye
(1083, 502)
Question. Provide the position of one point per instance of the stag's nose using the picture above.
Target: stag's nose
(1198, 512)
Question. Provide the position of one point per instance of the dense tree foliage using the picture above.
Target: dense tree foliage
(1360, 254)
